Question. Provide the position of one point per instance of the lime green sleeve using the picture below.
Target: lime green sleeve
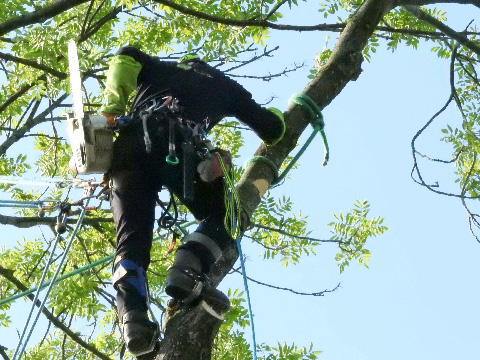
(122, 76)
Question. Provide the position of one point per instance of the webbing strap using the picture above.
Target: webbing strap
(206, 242)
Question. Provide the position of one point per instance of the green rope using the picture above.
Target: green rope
(76, 271)
(318, 127)
(318, 123)
(232, 202)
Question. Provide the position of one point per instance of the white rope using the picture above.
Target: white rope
(60, 183)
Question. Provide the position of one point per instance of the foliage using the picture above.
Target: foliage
(352, 230)
(34, 86)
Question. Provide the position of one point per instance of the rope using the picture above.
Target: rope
(318, 125)
(232, 202)
(249, 302)
(59, 268)
(75, 272)
(233, 227)
(61, 278)
(60, 183)
(35, 299)
(24, 204)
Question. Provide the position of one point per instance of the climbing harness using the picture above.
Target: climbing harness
(156, 105)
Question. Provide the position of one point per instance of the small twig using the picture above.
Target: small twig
(283, 232)
(319, 293)
(3, 353)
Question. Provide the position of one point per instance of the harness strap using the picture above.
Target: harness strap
(171, 158)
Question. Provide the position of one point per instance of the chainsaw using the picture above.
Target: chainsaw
(90, 136)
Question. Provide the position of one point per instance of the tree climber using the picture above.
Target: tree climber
(144, 161)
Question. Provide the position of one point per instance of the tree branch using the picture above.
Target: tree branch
(22, 91)
(423, 16)
(430, 2)
(29, 124)
(84, 37)
(3, 353)
(343, 66)
(34, 64)
(38, 16)
(244, 23)
(283, 232)
(8, 274)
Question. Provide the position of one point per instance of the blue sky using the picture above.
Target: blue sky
(419, 299)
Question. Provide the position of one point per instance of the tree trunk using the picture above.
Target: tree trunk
(190, 334)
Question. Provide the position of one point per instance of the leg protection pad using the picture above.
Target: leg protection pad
(131, 275)
(184, 278)
(187, 277)
(204, 247)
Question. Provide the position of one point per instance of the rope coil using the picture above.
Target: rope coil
(318, 125)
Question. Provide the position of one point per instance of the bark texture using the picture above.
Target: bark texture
(190, 336)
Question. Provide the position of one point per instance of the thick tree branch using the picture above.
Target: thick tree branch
(244, 23)
(430, 2)
(8, 274)
(423, 16)
(20, 92)
(343, 66)
(39, 16)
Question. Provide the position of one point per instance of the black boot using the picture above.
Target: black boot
(139, 333)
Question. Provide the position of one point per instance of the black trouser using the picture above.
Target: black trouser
(137, 176)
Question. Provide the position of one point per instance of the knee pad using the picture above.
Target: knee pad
(128, 273)
(204, 248)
